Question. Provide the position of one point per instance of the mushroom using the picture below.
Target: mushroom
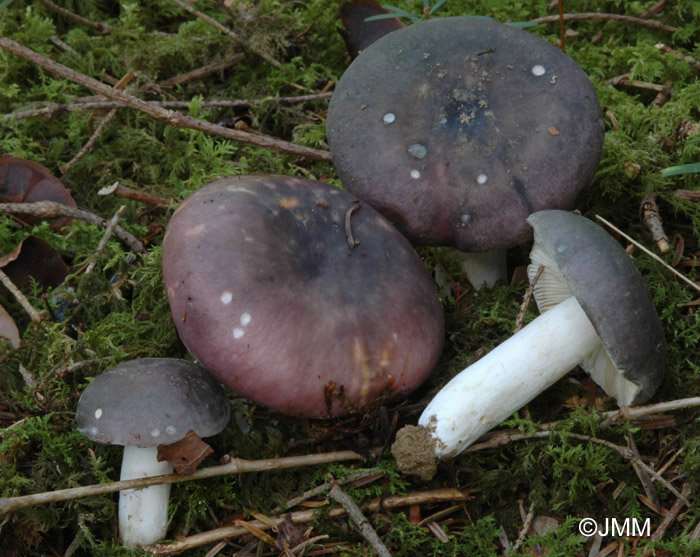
(298, 297)
(142, 404)
(457, 129)
(596, 312)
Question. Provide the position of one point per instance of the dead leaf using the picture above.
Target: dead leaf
(8, 329)
(358, 33)
(23, 181)
(34, 258)
(185, 455)
(289, 535)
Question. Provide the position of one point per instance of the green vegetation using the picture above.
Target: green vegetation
(119, 311)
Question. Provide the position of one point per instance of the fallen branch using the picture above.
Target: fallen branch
(36, 316)
(356, 515)
(168, 117)
(227, 532)
(109, 230)
(235, 466)
(54, 108)
(52, 209)
(226, 31)
(129, 193)
(607, 17)
(101, 27)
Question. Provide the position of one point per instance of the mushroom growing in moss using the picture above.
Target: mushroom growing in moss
(596, 313)
(142, 404)
(298, 297)
(457, 129)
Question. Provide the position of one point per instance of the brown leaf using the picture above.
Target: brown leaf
(358, 33)
(185, 455)
(8, 329)
(23, 181)
(34, 258)
(289, 535)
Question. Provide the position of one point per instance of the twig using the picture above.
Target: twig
(52, 209)
(34, 315)
(226, 31)
(644, 478)
(649, 253)
(651, 218)
(92, 104)
(507, 437)
(235, 466)
(356, 515)
(526, 527)
(688, 195)
(526, 300)
(679, 55)
(101, 27)
(109, 230)
(226, 532)
(90, 142)
(136, 195)
(168, 117)
(629, 413)
(672, 514)
(352, 242)
(625, 80)
(203, 71)
(322, 489)
(608, 17)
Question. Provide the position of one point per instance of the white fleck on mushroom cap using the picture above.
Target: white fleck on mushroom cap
(152, 401)
(581, 259)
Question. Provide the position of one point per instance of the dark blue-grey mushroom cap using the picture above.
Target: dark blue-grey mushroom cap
(152, 401)
(581, 259)
(457, 129)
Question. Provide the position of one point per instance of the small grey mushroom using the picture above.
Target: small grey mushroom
(141, 404)
(596, 312)
(457, 129)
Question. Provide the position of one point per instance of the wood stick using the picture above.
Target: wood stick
(168, 117)
(607, 17)
(235, 466)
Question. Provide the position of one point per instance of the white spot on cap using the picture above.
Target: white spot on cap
(389, 118)
(395, 336)
(245, 319)
(481, 179)
(98, 413)
(171, 430)
(537, 69)
(94, 430)
(417, 150)
(238, 332)
(465, 218)
(155, 432)
(194, 230)
(226, 297)
(415, 174)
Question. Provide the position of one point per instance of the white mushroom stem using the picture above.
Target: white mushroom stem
(143, 513)
(483, 268)
(508, 377)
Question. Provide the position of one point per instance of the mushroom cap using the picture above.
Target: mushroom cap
(607, 285)
(457, 129)
(266, 292)
(152, 401)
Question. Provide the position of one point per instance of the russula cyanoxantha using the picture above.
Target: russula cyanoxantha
(457, 129)
(298, 297)
(596, 312)
(142, 404)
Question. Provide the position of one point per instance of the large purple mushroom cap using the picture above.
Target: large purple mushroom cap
(457, 129)
(298, 297)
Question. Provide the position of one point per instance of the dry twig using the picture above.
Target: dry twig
(651, 218)
(52, 209)
(607, 17)
(168, 117)
(235, 466)
(356, 515)
(35, 315)
(90, 103)
(136, 195)
(227, 532)
(90, 142)
(672, 514)
(226, 31)
(101, 27)
(649, 253)
(199, 73)
(109, 230)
